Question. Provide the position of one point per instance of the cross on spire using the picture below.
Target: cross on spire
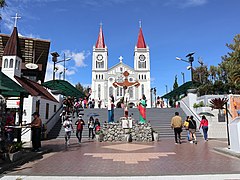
(16, 19)
(140, 23)
(120, 58)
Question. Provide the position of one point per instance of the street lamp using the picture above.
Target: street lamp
(183, 77)
(155, 94)
(226, 109)
(151, 96)
(190, 61)
(55, 55)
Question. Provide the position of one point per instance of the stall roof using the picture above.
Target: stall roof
(180, 90)
(64, 88)
(9, 88)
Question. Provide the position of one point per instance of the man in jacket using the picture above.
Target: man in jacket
(176, 124)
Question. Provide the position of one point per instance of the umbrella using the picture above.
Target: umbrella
(206, 114)
(93, 115)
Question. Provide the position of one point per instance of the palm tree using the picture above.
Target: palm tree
(218, 103)
(2, 5)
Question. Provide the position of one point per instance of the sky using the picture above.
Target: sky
(171, 28)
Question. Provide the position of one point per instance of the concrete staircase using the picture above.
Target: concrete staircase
(159, 118)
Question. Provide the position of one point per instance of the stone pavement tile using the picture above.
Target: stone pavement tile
(187, 159)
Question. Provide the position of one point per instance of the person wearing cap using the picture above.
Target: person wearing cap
(80, 123)
(36, 126)
(68, 127)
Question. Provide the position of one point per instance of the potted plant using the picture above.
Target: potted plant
(218, 103)
(99, 135)
(15, 151)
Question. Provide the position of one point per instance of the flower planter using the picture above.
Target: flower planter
(155, 136)
(99, 137)
(15, 156)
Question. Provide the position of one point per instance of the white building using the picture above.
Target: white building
(103, 77)
(39, 98)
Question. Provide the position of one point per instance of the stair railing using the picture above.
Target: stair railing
(188, 111)
(50, 124)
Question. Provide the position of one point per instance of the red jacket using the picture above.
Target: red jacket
(204, 122)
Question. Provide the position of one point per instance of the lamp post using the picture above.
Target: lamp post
(155, 96)
(166, 93)
(60, 74)
(183, 75)
(151, 96)
(190, 61)
(226, 109)
(55, 55)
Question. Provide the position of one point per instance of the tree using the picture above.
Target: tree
(175, 85)
(2, 5)
(82, 89)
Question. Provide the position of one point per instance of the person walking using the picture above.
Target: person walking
(90, 127)
(192, 129)
(97, 125)
(186, 125)
(10, 121)
(36, 126)
(80, 123)
(176, 124)
(67, 124)
(204, 126)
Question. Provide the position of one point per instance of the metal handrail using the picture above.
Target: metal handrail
(193, 113)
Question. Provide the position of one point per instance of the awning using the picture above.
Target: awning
(63, 87)
(9, 88)
(180, 90)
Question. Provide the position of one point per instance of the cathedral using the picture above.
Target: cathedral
(103, 77)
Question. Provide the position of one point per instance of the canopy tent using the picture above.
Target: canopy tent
(9, 88)
(180, 90)
(63, 87)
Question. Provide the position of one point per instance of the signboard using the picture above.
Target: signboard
(234, 106)
(126, 123)
(13, 103)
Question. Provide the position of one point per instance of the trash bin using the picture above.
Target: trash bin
(234, 132)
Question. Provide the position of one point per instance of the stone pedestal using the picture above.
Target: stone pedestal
(114, 132)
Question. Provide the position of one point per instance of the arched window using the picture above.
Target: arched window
(99, 91)
(145, 77)
(99, 76)
(6, 63)
(18, 65)
(100, 64)
(131, 92)
(142, 89)
(96, 76)
(142, 76)
(110, 91)
(121, 91)
(139, 76)
(11, 63)
(102, 76)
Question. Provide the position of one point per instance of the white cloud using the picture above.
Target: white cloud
(78, 57)
(186, 3)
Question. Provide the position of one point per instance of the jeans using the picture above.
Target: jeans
(90, 133)
(205, 132)
(79, 135)
(177, 133)
(36, 138)
(67, 136)
(188, 135)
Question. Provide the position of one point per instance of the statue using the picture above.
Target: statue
(126, 101)
(142, 109)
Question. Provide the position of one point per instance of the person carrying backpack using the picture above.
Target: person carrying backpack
(186, 125)
(192, 129)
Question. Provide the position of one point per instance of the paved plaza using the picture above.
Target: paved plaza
(153, 159)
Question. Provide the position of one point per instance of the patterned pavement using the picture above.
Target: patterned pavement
(133, 159)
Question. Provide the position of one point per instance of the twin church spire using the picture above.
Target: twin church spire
(140, 42)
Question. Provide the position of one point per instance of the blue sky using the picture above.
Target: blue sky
(171, 28)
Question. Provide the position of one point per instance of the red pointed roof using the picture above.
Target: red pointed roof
(100, 41)
(141, 42)
(12, 47)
